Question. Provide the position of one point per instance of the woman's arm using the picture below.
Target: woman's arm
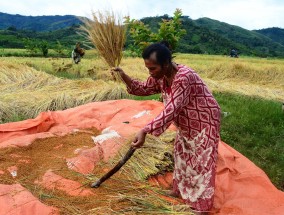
(135, 87)
(179, 98)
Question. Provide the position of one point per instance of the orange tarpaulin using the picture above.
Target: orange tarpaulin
(241, 187)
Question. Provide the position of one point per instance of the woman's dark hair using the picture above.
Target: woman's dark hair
(163, 54)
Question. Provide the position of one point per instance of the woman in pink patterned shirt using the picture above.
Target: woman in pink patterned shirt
(196, 114)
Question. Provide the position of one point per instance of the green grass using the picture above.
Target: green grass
(152, 97)
(10, 52)
(14, 52)
(16, 117)
(255, 128)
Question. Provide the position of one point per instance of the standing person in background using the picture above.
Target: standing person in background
(234, 53)
(196, 114)
(77, 53)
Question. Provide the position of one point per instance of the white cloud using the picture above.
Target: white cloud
(250, 14)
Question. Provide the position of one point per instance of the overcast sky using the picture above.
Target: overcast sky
(249, 14)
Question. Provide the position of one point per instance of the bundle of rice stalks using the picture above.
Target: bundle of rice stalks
(107, 32)
(156, 156)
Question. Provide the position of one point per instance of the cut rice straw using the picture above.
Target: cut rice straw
(46, 92)
(158, 153)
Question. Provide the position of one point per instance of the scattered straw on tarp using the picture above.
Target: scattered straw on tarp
(121, 194)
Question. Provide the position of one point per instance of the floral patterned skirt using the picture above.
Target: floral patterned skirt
(195, 167)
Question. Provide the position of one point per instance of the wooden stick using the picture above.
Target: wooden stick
(126, 157)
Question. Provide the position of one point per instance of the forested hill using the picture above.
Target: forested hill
(210, 36)
(245, 40)
(37, 23)
(204, 35)
(276, 34)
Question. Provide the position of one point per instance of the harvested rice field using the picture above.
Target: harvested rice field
(57, 84)
(28, 92)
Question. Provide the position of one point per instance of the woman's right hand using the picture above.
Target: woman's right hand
(117, 70)
(126, 79)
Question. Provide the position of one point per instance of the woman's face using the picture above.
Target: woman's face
(155, 70)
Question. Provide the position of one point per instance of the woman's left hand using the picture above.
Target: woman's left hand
(139, 139)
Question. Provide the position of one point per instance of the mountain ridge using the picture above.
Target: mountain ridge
(38, 23)
(275, 33)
